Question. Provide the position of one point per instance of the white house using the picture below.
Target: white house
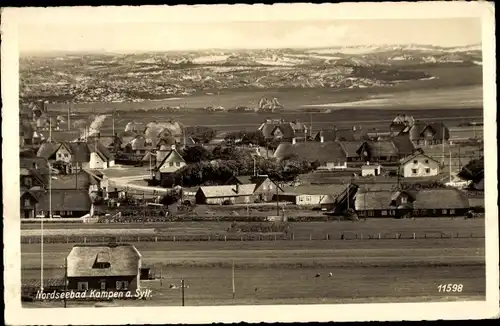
(171, 162)
(419, 165)
(370, 169)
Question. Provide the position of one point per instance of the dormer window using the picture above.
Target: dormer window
(404, 200)
(102, 260)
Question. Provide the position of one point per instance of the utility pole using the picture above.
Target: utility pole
(65, 280)
(69, 117)
(442, 146)
(450, 165)
(459, 160)
(234, 288)
(182, 286)
(277, 200)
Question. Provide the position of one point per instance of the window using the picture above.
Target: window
(452, 211)
(27, 181)
(370, 213)
(427, 170)
(69, 213)
(59, 155)
(415, 162)
(171, 163)
(83, 286)
(270, 187)
(26, 202)
(404, 200)
(414, 171)
(121, 285)
(103, 285)
(178, 163)
(445, 211)
(66, 155)
(426, 161)
(384, 213)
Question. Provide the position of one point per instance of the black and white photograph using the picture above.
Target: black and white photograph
(244, 156)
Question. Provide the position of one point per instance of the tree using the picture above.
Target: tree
(201, 134)
(196, 154)
(246, 138)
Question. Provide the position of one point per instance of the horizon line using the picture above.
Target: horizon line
(103, 51)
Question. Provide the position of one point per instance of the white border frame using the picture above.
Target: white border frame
(15, 314)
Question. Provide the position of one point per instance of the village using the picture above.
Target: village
(282, 168)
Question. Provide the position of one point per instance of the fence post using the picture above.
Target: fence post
(414, 237)
(67, 239)
(241, 238)
(457, 235)
(471, 235)
(379, 236)
(208, 237)
(29, 240)
(275, 237)
(84, 239)
(293, 236)
(174, 238)
(225, 238)
(156, 239)
(361, 236)
(356, 236)
(310, 236)
(138, 239)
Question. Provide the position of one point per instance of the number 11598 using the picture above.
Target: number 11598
(450, 287)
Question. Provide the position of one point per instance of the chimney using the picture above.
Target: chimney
(35, 166)
(353, 128)
(172, 147)
(237, 188)
(294, 141)
(367, 162)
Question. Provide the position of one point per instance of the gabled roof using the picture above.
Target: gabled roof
(312, 151)
(228, 190)
(101, 150)
(172, 156)
(257, 180)
(381, 148)
(373, 200)
(41, 164)
(285, 129)
(411, 157)
(79, 181)
(445, 198)
(46, 150)
(79, 151)
(351, 147)
(123, 259)
(35, 173)
(403, 144)
(66, 200)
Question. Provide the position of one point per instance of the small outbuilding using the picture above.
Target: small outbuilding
(370, 169)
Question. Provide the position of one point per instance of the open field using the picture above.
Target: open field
(284, 272)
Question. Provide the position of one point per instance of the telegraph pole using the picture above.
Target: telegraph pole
(65, 280)
(182, 286)
(233, 283)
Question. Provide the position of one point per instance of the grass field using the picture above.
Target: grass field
(284, 272)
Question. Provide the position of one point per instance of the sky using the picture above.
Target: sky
(117, 36)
